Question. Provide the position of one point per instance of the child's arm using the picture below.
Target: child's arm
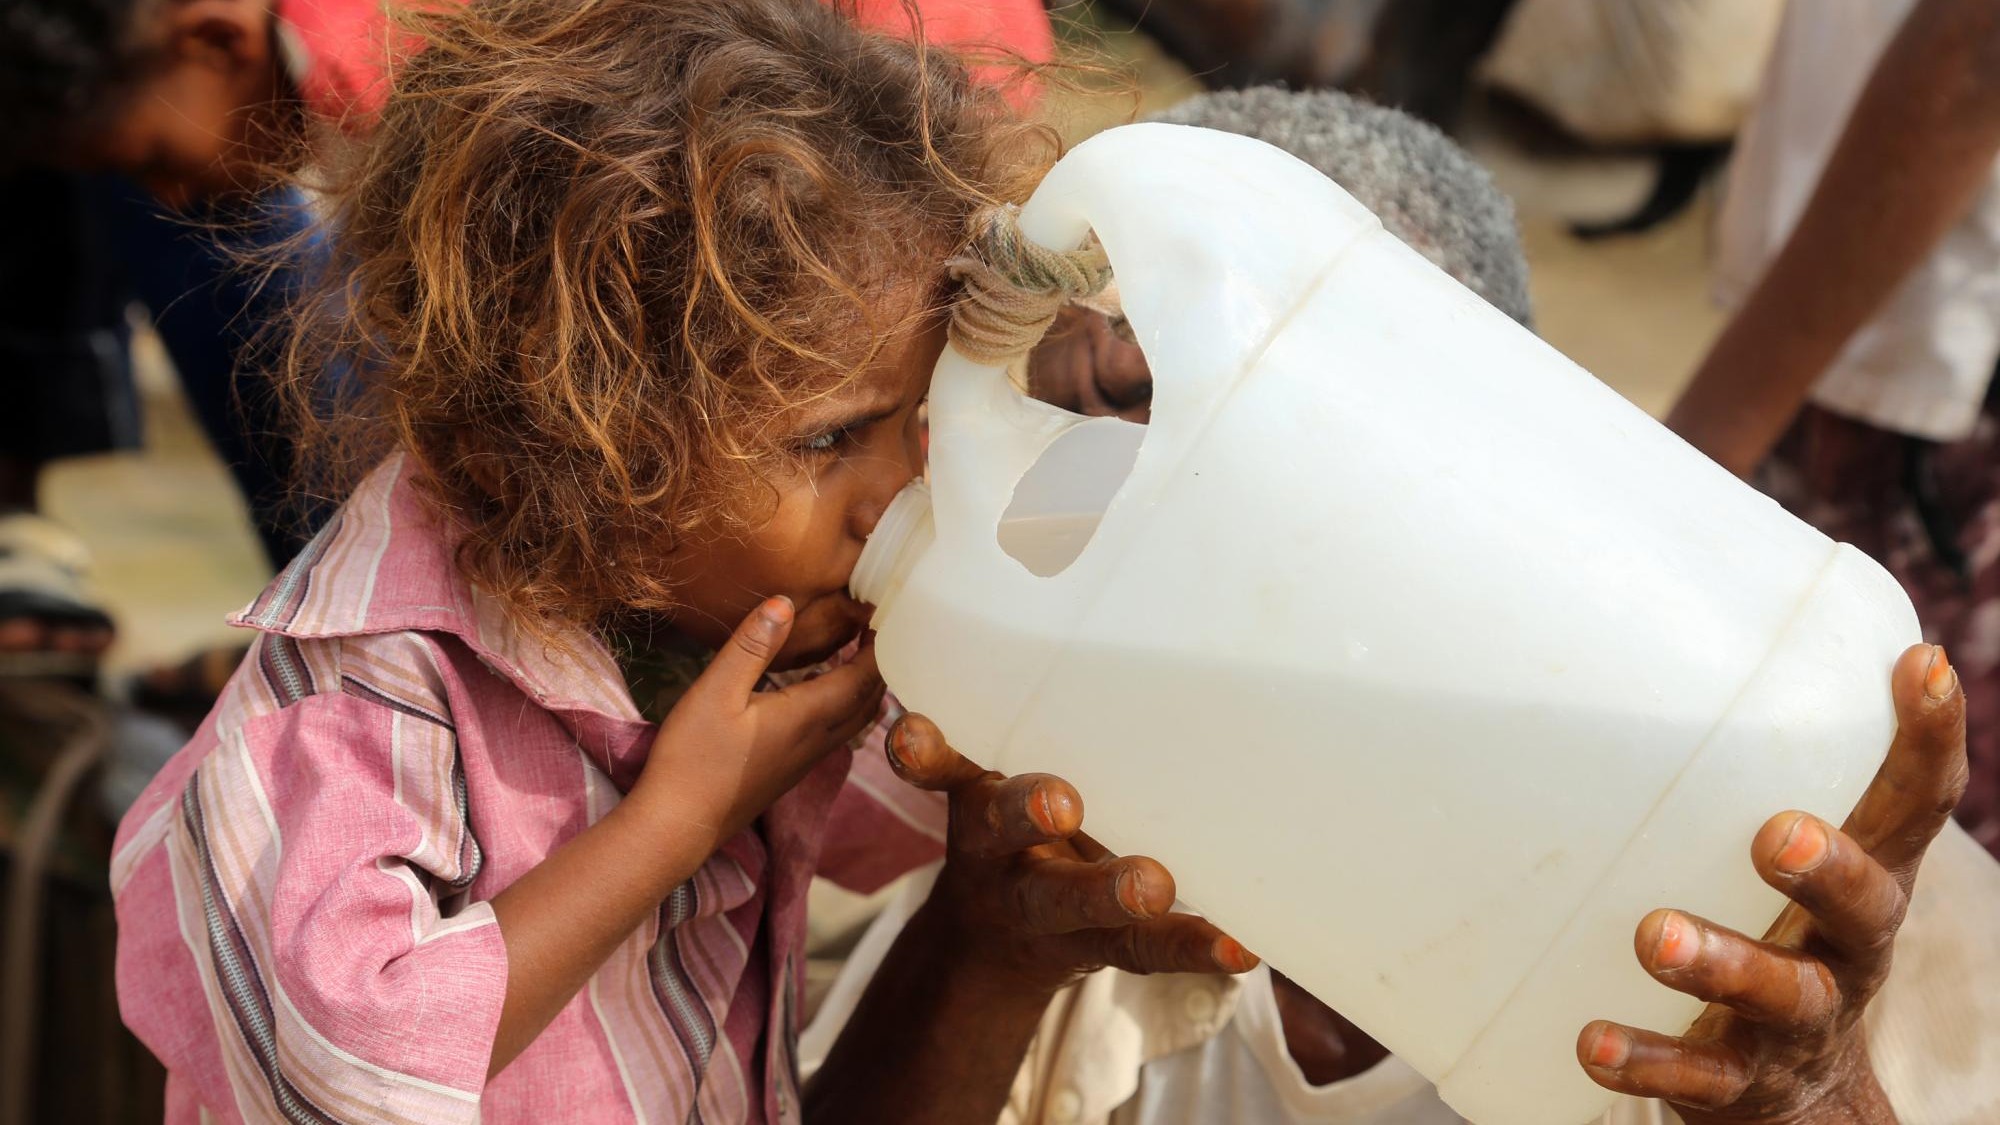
(723, 755)
(1025, 904)
(1782, 1042)
(1917, 151)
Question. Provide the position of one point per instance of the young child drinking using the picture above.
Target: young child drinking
(645, 296)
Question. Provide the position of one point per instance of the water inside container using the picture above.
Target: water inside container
(1047, 544)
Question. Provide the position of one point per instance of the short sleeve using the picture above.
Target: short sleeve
(322, 854)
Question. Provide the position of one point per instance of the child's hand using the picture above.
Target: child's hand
(1025, 890)
(1782, 1041)
(728, 750)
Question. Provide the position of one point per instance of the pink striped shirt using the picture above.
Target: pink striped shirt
(304, 928)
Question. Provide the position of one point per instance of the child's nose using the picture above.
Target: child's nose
(864, 517)
(895, 474)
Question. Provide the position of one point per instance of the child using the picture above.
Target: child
(648, 293)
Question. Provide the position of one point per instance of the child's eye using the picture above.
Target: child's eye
(828, 441)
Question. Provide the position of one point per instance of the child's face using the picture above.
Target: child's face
(200, 121)
(856, 450)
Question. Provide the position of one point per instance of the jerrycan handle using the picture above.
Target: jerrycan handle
(1214, 238)
(985, 434)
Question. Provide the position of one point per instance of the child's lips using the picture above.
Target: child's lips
(861, 613)
(852, 622)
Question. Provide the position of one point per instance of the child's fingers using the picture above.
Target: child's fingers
(1000, 816)
(1646, 1064)
(919, 755)
(1061, 896)
(836, 697)
(1770, 985)
(1855, 903)
(748, 653)
(864, 708)
(1924, 775)
(1177, 943)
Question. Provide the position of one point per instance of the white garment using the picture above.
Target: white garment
(1922, 365)
(1636, 71)
(1246, 1075)
(1118, 1049)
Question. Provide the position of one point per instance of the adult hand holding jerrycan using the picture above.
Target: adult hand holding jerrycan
(1425, 662)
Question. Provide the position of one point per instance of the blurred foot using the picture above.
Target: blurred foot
(50, 623)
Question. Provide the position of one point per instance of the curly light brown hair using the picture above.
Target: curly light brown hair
(592, 252)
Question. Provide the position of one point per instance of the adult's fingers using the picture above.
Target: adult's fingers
(1646, 1064)
(1924, 774)
(1003, 815)
(920, 755)
(1771, 985)
(1855, 903)
(1087, 847)
(1060, 896)
(1177, 943)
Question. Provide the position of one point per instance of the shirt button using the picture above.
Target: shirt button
(1199, 1005)
(1065, 1107)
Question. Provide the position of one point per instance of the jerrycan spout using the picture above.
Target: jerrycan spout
(900, 538)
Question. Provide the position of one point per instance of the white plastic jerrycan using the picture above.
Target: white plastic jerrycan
(1425, 662)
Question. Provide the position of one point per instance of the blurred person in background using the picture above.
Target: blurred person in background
(141, 147)
(1859, 244)
(1414, 55)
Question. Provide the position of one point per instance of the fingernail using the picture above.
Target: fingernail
(1939, 681)
(776, 611)
(1804, 848)
(899, 743)
(1679, 942)
(1132, 892)
(1230, 954)
(1039, 810)
(1611, 1049)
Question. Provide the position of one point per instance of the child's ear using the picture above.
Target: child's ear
(230, 36)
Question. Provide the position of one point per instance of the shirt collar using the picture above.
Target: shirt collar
(385, 564)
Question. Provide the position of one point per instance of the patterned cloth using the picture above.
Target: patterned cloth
(303, 893)
(1930, 513)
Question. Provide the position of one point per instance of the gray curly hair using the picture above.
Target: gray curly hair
(1427, 190)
